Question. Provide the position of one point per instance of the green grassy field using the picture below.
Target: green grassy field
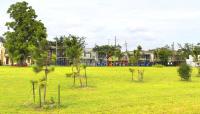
(110, 91)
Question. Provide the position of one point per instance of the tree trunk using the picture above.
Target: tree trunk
(132, 76)
(74, 79)
(45, 93)
(58, 94)
(33, 84)
(80, 81)
(78, 73)
(46, 74)
(85, 78)
(40, 101)
(12, 63)
(21, 62)
(74, 75)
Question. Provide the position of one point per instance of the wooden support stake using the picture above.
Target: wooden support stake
(58, 94)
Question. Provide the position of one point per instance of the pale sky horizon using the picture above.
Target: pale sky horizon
(150, 23)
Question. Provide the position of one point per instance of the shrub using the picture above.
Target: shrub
(198, 69)
(184, 71)
(158, 65)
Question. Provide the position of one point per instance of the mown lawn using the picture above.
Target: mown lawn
(110, 91)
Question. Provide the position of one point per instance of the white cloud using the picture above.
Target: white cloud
(149, 23)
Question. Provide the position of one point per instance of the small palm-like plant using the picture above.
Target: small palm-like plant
(132, 71)
(140, 75)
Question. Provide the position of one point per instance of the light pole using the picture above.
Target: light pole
(56, 52)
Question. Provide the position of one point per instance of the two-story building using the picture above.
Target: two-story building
(89, 57)
(146, 58)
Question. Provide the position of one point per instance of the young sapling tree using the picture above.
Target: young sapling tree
(132, 71)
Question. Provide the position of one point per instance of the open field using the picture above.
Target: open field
(110, 91)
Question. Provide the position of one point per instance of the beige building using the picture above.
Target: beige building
(4, 59)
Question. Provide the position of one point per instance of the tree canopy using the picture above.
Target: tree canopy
(106, 51)
(25, 32)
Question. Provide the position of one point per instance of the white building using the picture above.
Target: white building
(190, 61)
(89, 57)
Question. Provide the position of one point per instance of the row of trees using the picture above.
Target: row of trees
(27, 37)
(164, 54)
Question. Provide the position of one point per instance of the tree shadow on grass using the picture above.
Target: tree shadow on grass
(47, 107)
(90, 87)
(137, 81)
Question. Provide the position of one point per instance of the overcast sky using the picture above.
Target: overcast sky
(150, 23)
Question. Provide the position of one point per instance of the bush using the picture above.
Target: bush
(184, 71)
(158, 65)
(198, 69)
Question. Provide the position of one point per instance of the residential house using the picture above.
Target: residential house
(89, 57)
(146, 58)
(191, 61)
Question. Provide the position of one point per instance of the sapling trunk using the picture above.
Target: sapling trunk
(33, 85)
(85, 78)
(46, 72)
(132, 76)
(80, 81)
(58, 94)
(40, 101)
(44, 93)
(80, 77)
(74, 76)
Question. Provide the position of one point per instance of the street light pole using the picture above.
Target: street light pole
(56, 52)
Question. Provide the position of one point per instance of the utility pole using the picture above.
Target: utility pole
(173, 52)
(108, 41)
(173, 46)
(115, 41)
(56, 52)
(126, 46)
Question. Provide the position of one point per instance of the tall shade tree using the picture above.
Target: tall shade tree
(74, 49)
(107, 50)
(164, 55)
(186, 49)
(196, 52)
(137, 53)
(135, 56)
(24, 33)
